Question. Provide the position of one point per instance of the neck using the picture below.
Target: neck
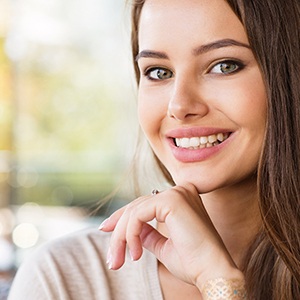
(235, 214)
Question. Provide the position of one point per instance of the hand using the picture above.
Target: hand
(193, 251)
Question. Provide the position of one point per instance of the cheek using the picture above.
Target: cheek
(144, 112)
(245, 103)
(151, 110)
(253, 111)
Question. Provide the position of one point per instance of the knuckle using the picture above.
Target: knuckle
(178, 194)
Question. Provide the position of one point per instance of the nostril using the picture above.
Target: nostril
(186, 109)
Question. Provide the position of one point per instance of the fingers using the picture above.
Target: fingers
(191, 249)
(175, 207)
(127, 225)
(109, 224)
(149, 238)
(152, 240)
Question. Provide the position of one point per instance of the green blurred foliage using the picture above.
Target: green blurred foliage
(68, 100)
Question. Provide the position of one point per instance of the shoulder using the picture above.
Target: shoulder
(80, 245)
(56, 268)
(74, 267)
(81, 248)
(71, 251)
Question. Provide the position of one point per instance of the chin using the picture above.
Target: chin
(203, 186)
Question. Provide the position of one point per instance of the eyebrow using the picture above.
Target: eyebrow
(218, 44)
(151, 54)
(197, 51)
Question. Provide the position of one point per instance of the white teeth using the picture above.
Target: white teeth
(220, 137)
(212, 138)
(185, 143)
(194, 142)
(201, 142)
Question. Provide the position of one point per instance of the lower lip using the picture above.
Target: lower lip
(191, 155)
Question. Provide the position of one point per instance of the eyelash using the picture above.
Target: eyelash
(239, 66)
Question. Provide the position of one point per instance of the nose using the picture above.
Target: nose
(186, 101)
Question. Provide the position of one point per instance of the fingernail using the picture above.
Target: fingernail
(103, 224)
(110, 265)
(109, 260)
(131, 255)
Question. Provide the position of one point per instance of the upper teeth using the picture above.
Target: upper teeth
(201, 142)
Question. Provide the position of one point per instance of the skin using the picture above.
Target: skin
(205, 222)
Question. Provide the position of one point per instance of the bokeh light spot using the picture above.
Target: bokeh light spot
(25, 235)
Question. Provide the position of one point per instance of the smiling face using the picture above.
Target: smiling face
(202, 101)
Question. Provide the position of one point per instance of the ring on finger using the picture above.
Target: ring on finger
(154, 192)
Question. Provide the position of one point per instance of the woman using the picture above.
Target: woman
(219, 104)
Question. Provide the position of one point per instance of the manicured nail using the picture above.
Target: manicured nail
(110, 265)
(109, 260)
(103, 224)
(131, 255)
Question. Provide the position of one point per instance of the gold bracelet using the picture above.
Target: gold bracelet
(223, 289)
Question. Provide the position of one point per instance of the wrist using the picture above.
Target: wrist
(227, 281)
(224, 289)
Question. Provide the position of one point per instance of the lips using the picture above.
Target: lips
(197, 144)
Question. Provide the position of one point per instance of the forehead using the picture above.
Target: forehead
(189, 20)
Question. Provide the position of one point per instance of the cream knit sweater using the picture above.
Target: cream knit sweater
(74, 268)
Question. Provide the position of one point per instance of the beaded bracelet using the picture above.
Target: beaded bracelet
(223, 289)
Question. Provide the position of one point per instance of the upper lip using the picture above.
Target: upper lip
(195, 132)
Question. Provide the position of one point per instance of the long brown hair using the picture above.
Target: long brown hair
(272, 267)
(273, 28)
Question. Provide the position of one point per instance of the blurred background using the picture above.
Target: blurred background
(67, 119)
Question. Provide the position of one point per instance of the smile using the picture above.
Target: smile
(201, 142)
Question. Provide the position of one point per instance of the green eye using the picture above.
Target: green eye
(159, 74)
(226, 67)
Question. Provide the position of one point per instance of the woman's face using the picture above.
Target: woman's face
(202, 100)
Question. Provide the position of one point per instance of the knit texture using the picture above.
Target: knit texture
(74, 268)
